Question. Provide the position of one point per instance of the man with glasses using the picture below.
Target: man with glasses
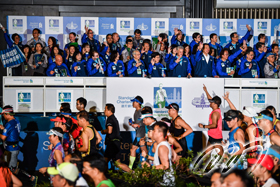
(136, 67)
(10, 135)
(65, 175)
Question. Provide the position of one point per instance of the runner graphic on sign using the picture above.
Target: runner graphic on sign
(161, 97)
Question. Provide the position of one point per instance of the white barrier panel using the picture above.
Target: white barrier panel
(44, 94)
(158, 92)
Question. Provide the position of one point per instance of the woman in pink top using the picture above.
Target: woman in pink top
(215, 123)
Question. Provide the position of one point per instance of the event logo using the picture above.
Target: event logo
(228, 25)
(211, 27)
(201, 102)
(31, 81)
(259, 98)
(262, 25)
(90, 23)
(164, 96)
(72, 25)
(54, 23)
(125, 24)
(194, 25)
(64, 97)
(24, 97)
(160, 25)
(112, 26)
(17, 23)
(142, 27)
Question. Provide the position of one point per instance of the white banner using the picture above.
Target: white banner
(159, 92)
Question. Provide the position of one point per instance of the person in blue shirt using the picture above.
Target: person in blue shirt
(262, 39)
(180, 65)
(15, 38)
(96, 66)
(136, 67)
(55, 51)
(178, 37)
(235, 43)
(86, 52)
(70, 58)
(156, 69)
(260, 57)
(172, 51)
(88, 38)
(10, 135)
(187, 51)
(146, 53)
(58, 69)
(116, 46)
(196, 40)
(223, 66)
(249, 67)
(204, 65)
(73, 40)
(79, 66)
(115, 67)
(107, 55)
(213, 43)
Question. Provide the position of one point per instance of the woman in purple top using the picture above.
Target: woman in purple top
(57, 153)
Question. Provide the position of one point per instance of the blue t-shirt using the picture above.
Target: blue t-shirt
(11, 131)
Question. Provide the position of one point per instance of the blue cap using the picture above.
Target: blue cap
(138, 99)
(270, 53)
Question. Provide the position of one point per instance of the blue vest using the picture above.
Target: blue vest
(99, 72)
(117, 67)
(137, 73)
(249, 73)
(261, 64)
(203, 68)
(93, 44)
(233, 145)
(106, 58)
(182, 68)
(157, 70)
(81, 72)
(60, 71)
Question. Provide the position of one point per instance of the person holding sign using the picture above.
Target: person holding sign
(38, 61)
(58, 69)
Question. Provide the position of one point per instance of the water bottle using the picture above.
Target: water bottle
(143, 72)
(162, 72)
(179, 76)
(121, 72)
(205, 76)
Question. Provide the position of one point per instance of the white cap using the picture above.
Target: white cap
(249, 111)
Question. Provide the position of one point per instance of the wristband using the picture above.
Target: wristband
(204, 126)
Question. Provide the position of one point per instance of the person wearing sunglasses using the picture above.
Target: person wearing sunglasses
(236, 135)
(265, 122)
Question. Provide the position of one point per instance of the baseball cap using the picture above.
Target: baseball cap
(265, 161)
(54, 132)
(67, 170)
(231, 114)
(58, 119)
(270, 53)
(9, 111)
(173, 105)
(272, 152)
(138, 99)
(216, 99)
(249, 111)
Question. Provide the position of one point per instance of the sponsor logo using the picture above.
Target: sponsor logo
(64, 97)
(228, 25)
(160, 25)
(24, 97)
(201, 102)
(31, 81)
(211, 27)
(90, 23)
(17, 22)
(164, 96)
(262, 25)
(72, 25)
(142, 27)
(125, 24)
(259, 98)
(54, 23)
(194, 25)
